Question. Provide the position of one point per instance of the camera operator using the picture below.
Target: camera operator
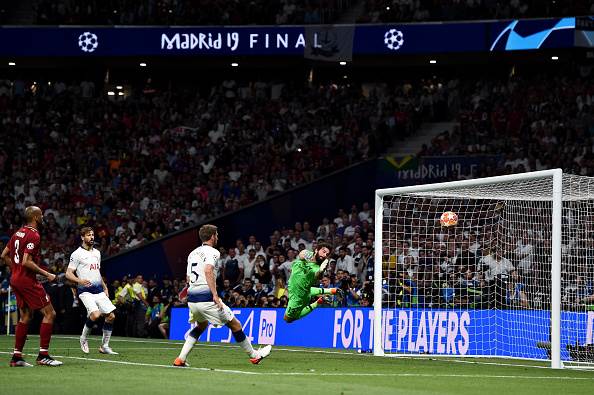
(366, 292)
(350, 285)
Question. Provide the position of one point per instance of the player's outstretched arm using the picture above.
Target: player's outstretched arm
(306, 255)
(105, 290)
(4, 258)
(321, 271)
(31, 265)
(72, 277)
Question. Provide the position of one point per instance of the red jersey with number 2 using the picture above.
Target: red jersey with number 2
(25, 240)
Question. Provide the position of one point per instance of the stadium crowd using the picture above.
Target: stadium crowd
(280, 12)
(386, 11)
(252, 273)
(526, 123)
(424, 265)
(188, 12)
(140, 168)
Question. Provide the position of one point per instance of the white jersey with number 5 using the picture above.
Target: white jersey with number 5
(198, 290)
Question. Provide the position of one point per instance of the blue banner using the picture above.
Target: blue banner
(329, 42)
(513, 333)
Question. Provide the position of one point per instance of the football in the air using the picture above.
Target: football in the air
(448, 219)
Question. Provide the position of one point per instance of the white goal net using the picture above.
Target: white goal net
(510, 279)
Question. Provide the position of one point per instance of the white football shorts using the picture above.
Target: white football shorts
(209, 311)
(94, 302)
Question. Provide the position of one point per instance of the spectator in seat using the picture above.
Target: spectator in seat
(232, 269)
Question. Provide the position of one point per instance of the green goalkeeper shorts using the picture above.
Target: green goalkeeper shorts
(295, 305)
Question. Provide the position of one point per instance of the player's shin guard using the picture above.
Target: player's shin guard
(244, 343)
(189, 343)
(87, 328)
(45, 335)
(107, 329)
(20, 337)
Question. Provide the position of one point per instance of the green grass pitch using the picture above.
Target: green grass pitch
(143, 367)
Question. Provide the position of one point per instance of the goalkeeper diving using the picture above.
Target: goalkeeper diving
(306, 272)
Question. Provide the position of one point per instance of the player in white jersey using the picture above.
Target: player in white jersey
(204, 303)
(83, 270)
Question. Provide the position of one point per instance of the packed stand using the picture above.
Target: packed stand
(525, 123)
(139, 168)
(251, 273)
(6, 7)
(497, 256)
(188, 12)
(386, 11)
(519, 124)
(255, 273)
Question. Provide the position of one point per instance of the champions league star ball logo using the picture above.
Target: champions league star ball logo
(88, 42)
(394, 39)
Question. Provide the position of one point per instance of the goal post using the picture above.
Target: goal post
(510, 279)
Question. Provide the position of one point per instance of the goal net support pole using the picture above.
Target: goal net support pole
(556, 269)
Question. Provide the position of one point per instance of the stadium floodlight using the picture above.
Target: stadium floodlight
(142, 64)
(490, 267)
(234, 64)
(343, 63)
(11, 63)
(119, 87)
(554, 57)
(433, 61)
(111, 93)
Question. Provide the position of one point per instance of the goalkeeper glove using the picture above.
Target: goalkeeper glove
(324, 265)
(306, 255)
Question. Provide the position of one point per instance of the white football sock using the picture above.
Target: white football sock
(190, 341)
(85, 332)
(106, 337)
(247, 347)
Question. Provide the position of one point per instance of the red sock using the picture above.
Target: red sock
(45, 334)
(20, 337)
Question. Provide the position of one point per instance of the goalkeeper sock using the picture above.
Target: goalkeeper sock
(244, 343)
(313, 291)
(190, 341)
(309, 308)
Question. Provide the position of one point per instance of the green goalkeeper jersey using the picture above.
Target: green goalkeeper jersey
(302, 277)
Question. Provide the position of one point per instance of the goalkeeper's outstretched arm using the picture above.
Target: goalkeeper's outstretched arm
(321, 271)
(306, 255)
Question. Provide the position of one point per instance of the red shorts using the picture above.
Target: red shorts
(30, 294)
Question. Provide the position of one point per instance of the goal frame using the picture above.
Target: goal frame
(557, 205)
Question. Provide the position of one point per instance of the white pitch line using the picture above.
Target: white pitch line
(179, 343)
(516, 365)
(483, 376)
(345, 352)
(334, 352)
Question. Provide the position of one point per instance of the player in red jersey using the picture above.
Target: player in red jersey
(23, 255)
